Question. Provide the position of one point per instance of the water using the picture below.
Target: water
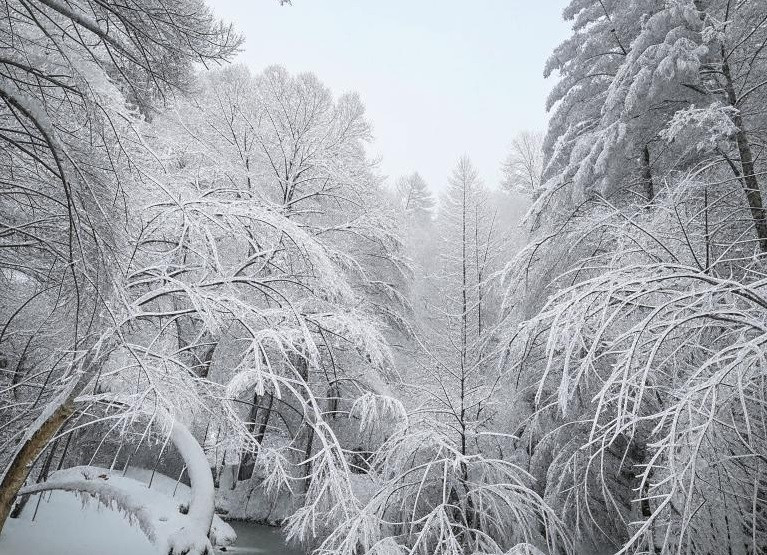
(257, 538)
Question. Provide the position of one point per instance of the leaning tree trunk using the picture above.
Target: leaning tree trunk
(32, 445)
(39, 436)
(19, 507)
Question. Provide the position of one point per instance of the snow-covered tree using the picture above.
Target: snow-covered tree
(646, 221)
(415, 197)
(206, 264)
(289, 141)
(69, 150)
(444, 481)
(469, 243)
(523, 167)
(586, 64)
(325, 261)
(633, 70)
(642, 377)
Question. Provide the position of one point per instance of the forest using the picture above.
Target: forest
(215, 308)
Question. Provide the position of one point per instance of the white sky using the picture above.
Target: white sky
(439, 78)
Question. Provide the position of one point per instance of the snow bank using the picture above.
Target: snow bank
(65, 526)
(155, 510)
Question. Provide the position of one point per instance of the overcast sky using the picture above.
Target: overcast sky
(439, 78)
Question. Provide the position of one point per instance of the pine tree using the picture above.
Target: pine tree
(416, 199)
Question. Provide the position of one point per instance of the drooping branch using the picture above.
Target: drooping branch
(109, 495)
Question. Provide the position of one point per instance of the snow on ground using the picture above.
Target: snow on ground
(64, 527)
(65, 524)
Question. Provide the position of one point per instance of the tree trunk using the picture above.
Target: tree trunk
(302, 366)
(42, 476)
(207, 359)
(307, 454)
(44, 429)
(748, 175)
(39, 436)
(649, 186)
(751, 186)
(246, 465)
(467, 502)
(249, 459)
(265, 421)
